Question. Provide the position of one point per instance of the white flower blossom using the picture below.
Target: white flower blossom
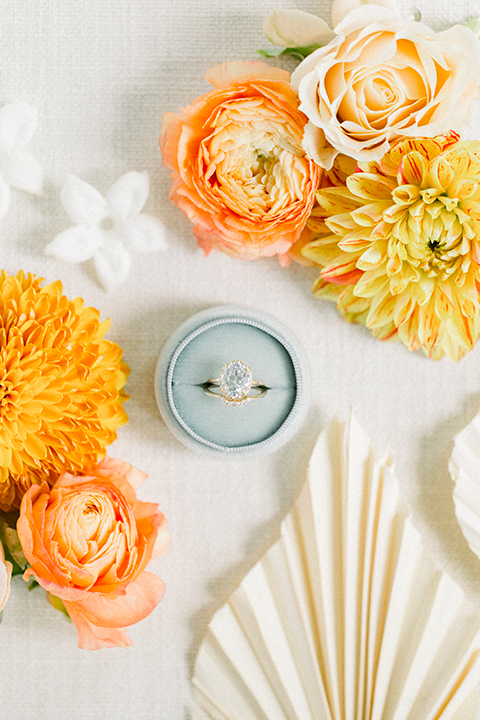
(107, 228)
(18, 168)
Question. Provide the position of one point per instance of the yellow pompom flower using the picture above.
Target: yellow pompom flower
(60, 386)
(398, 245)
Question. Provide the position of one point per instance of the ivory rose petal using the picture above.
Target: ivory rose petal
(341, 8)
(239, 171)
(5, 576)
(88, 540)
(384, 78)
(296, 28)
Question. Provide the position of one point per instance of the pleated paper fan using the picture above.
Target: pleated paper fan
(345, 617)
(465, 470)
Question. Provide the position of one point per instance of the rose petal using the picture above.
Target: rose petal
(370, 14)
(82, 203)
(76, 244)
(17, 125)
(112, 263)
(162, 540)
(128, 195)
(111, 467)
(141, 597)
(341, 8)
(316, 147)
(92, 637)
(295, 28)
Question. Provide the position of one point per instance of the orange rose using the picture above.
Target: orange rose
(88, 541)
(239, 171)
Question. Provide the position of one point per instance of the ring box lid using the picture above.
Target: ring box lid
(196, 353)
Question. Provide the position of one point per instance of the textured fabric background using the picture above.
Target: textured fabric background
(101, 73)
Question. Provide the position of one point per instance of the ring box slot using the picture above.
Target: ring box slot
(197, 353)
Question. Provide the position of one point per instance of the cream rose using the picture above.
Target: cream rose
(382, 78)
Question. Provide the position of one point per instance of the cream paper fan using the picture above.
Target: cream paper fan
(345, 617)
(465, 470)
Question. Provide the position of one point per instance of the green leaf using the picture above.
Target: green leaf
(15, 548)
(11, 544)
(57, 603)
(274, 52)
(474, 24)
(299, 53)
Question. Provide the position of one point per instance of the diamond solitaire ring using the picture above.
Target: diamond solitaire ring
(235, 384)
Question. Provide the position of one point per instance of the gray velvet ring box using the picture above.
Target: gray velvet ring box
(199, 349)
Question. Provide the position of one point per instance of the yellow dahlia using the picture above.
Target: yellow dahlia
(315, 226)
(398, 245)
(60, 386)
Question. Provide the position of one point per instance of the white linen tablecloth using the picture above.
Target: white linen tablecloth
(101, 73)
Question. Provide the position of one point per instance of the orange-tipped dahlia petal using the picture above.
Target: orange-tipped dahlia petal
(409, 246)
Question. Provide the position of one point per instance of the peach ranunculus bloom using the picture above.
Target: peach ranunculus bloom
(5, 577)
(239, 171)
(382, 78)
(88, 540)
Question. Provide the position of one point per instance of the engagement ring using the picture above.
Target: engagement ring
(235, 384)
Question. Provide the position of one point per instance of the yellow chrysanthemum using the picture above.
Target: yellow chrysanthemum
(60, 386)
(399, 246)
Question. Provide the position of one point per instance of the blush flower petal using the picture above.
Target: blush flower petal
(93, 637)
(88, 540)
(239, 171)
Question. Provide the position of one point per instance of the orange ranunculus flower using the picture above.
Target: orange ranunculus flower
(88, 540)
(238, 167)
